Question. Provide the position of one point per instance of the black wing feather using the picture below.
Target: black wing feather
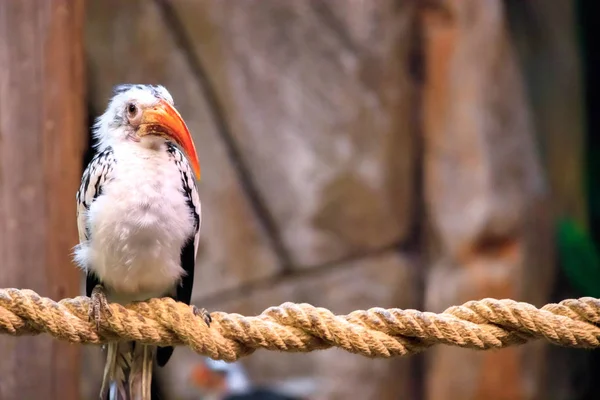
(188, 252)
(95, 175)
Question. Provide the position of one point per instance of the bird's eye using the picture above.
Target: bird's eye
(131, 109)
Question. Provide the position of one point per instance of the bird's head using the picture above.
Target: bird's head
(144, 114)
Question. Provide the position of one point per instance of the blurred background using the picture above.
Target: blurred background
(355, 153)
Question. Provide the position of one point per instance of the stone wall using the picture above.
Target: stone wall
(354, 154)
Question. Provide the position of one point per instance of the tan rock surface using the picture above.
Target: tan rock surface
(319, 98)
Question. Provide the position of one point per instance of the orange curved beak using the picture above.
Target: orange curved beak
(163, 119)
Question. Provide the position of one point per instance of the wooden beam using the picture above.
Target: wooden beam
(485, 195)
(42, 139)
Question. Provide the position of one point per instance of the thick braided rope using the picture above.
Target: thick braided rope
(377, 332)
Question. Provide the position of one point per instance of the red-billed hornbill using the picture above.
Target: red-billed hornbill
(138, 215)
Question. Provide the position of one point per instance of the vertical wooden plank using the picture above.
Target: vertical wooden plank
(485, 193)
(41, 146)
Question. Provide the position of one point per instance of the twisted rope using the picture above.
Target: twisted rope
(377, 332)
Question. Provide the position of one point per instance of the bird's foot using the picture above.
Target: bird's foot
(98, 305)
(202, 312)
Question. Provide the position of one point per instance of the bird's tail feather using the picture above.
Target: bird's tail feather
(128, 371)
(140, 378)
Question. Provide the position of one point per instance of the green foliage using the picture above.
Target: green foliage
(579, 258)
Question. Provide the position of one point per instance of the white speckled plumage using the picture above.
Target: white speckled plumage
(138, 225)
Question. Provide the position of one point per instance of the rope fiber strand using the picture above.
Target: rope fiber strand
(290, 327)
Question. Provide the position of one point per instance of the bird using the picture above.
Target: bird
(138, 218)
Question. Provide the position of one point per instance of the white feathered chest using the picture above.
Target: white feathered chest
(138, 224)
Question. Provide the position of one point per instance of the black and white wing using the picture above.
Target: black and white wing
(98, 172)
(190, 249)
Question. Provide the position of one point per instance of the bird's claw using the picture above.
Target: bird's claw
(98, 305)
(202, 312)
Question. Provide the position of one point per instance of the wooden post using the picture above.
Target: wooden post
(42, 139)
(485, 195)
